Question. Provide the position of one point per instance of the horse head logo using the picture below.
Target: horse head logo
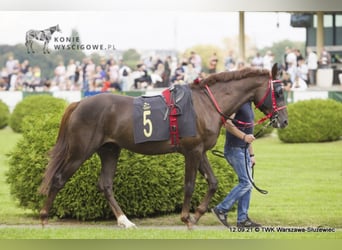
(40, 35)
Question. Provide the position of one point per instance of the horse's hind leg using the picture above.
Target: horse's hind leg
(46, 47)
(192, 161)
(58, 182)
(109, 155)
(31, 46)
(207, 172)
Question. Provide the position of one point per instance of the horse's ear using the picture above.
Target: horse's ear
(274, 71)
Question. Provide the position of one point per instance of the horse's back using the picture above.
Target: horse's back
(103, 110)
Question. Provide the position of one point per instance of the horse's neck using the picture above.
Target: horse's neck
(232, 95)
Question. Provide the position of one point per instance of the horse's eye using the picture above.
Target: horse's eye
(278, 91)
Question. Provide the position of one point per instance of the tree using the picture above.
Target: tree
(206, 51)
(74, 53)
(131, 58)
(232, 44)
(278, 49)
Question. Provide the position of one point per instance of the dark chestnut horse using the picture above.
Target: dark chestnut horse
(103, 124)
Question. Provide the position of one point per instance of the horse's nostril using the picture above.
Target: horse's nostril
(285, 123)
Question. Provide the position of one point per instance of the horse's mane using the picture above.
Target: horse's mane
(232, 75)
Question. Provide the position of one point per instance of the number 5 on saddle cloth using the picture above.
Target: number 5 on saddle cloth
(163, 117)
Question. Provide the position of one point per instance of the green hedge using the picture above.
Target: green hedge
(313, 121)
(144, 185)
(4, 114)
(32, 105)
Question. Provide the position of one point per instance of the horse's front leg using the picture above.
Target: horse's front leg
(192, 161)
(207, 172)
(31, 46)
(27, 46)
(45, 48)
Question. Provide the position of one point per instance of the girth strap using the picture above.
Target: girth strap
(173, 113)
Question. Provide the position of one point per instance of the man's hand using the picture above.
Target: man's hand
(249, 138)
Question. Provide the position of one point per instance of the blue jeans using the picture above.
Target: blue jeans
(241, 193)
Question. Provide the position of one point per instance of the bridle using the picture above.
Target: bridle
(273, 115)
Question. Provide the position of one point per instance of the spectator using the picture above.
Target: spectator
(28, 79)
(124, 73)
(99, 78)
(258, 61)
(143, 80)
(156, 76)
(85, 80)
(113, 72)
(300, 79)
(167, 71)
(178, 77)
(149, 64)
(190, 74)
(213, 63)
(291, 60)
(12, 67)
(268, 60)
(3, 79)
(325, 59)
(78, 76)
(302, 70)
(89, 73)
(70, 73)
(60, 73)
(298, 54)
(312, 60)
(229, 62)
(196, 61)
(24, 68)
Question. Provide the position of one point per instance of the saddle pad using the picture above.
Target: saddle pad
(149, 123)
(151, 118)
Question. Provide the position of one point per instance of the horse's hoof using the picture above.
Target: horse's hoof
(43, 218)
(192, 220)
(190, 225)
(44, 222)
(125, 223)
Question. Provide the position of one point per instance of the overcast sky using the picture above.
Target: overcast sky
(150, 29)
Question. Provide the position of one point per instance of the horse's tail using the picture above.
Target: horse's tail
(59, 153)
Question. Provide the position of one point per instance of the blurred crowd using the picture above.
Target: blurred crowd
(298, 71)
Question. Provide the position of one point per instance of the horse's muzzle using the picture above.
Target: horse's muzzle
(277, 122)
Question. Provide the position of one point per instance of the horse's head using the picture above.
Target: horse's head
(56, 28)
(272, 102)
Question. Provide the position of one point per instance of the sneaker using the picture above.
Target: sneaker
(248, 223)
(221, 216)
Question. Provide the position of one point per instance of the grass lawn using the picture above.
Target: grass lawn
(304, 183)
